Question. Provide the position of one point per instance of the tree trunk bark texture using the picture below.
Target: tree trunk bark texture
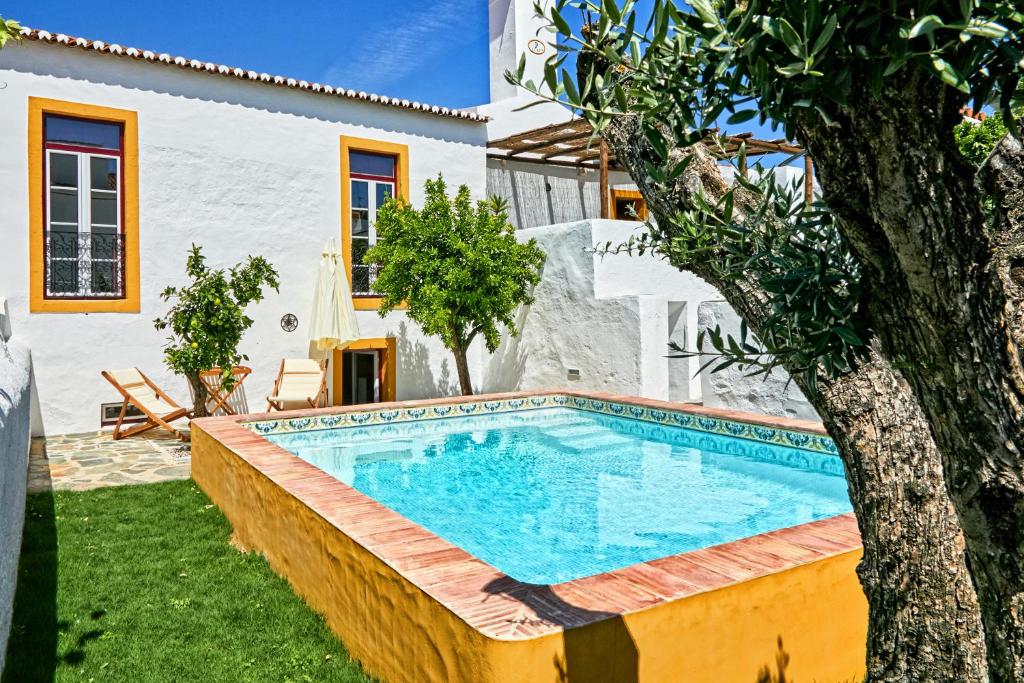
(924, 622)
(198, 397)
(944, 302)
(462, 368)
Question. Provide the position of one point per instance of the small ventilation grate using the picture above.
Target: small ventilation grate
(110, 411)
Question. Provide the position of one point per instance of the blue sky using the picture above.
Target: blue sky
(428, 50)
(432, 51)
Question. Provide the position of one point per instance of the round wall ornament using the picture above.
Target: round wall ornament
(289, 322)
(536, 46)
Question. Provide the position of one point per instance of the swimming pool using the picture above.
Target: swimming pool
(555, 494)
(502, 538)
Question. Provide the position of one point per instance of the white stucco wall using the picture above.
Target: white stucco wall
(607, 316)
(15, 415)
(238, 167)
(612, 316)
(567, 326)
(734, 389)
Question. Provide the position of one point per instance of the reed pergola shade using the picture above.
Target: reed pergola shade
(574, 144)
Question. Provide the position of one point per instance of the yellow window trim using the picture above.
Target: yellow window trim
(387, 380)
(628, 194)
(38, 303)
(401, 153)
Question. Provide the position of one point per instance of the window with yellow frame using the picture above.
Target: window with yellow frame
(372, 171)
(83, 208)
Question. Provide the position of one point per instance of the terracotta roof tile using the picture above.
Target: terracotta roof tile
(242, 74)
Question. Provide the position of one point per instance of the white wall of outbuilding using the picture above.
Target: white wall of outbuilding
(603, 322)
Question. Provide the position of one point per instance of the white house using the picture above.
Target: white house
(118, 159)
(129, 157)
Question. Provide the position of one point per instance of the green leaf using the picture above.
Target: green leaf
(620, 98)
(611, 9)
(570, 88)
(826, 34)
(551, 77)
(987, 29)
(925, 26)
(849, 336)
(742, 116)
(705, 12)
(950, 75)
(657, 141)
(560, 23)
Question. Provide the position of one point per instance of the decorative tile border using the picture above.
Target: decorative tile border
(674, 417)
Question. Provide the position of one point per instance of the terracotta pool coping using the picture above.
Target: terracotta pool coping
(490, 601)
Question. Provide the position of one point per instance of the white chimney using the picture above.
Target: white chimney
(515, 30)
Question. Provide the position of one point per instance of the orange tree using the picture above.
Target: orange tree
(456, 265)
(207, 319)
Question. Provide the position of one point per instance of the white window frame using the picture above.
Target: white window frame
(83, 256)
(371, 216)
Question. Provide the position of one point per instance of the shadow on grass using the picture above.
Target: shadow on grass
(32, 648)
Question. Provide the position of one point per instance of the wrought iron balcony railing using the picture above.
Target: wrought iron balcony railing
(84, 265)
(363, 277)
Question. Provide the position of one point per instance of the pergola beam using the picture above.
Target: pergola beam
(571, 144)
(539, 147)
(579, 126)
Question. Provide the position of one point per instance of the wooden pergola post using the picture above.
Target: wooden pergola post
(808, 180)
(605, 198)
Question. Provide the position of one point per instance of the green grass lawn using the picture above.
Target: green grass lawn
(139, 583)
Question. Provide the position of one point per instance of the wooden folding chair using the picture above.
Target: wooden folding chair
(301, 383)
(216, 395)
(138, 390)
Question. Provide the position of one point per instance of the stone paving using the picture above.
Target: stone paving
(87, 461)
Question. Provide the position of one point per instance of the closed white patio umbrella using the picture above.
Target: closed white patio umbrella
(332, 324)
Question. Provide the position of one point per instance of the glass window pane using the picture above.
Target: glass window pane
(63, 206)
(360, 194)
(360, 223)
(104, 277)
(104, 208)
(371, 164)
(384, 192)
(83, 132)
(103, 173)
(63, 169)
(359, 249)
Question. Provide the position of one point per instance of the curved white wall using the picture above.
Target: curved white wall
(15, 417)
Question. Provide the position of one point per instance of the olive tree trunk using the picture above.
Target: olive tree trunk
(924, 622)
(946, 305)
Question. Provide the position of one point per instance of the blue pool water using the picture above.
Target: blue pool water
(556, 494)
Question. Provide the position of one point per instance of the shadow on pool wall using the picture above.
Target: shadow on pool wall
(603, 652)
